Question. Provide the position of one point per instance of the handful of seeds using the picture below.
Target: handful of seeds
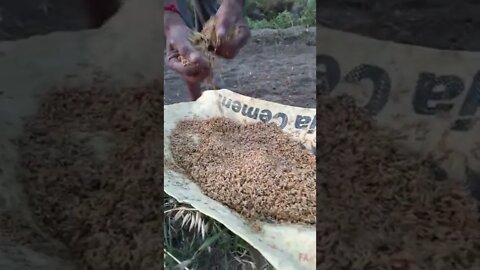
(206, 42)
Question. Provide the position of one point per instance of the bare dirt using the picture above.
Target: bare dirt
(440, 24)
(255, 169)
(25, 18)
(276, 65)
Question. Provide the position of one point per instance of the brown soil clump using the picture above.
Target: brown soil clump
(255, 169)
(91, 165)
(380, 207)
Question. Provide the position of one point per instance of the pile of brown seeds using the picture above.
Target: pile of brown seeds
(91, 166)
(380, 207)
(255, 169)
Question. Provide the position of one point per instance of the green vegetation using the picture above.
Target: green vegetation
(304, 15)
(192, 240)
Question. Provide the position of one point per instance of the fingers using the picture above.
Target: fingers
(193, 56)
(229, 48)
(190, 69)
(221, 32)
(197, 68)
(222, 25)
(241, 38)
(192, 74)
(243, 35)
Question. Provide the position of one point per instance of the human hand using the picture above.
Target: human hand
(182, 57)
(229, 16)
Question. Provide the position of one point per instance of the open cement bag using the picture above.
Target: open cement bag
(128, 48)
(284, 246)
(429, 97)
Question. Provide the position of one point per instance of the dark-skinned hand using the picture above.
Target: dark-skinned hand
(230, 15)
(177, 36)
(178, 44)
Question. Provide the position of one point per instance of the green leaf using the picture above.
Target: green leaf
(208, 242)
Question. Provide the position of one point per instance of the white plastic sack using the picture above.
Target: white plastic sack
(284, 246)
(429, 97)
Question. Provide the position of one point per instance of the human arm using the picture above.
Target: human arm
(177, 35)
(230, 15)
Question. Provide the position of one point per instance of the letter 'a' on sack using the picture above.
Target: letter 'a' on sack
(284, 246)
(405, 125)
(429, 96)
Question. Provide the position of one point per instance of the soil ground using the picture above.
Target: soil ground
(24, 18)
(279, 66)
(276, 65)
(441, 24)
